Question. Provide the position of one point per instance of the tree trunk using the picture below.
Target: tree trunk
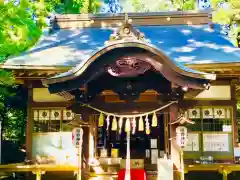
(2, 119)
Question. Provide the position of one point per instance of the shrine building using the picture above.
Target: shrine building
(142, 73)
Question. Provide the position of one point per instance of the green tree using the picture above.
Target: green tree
(21, 24)
(18, 29)
(162, 5)
(228, 14)
(73, 6)
(12, 113)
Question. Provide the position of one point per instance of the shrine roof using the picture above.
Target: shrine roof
(183, 44)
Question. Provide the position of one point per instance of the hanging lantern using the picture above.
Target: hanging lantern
(141, 124)
(101, 120)
(154, 120)
(134, 125)
(147, 125)
(120, 123)
(181, 138)
(108, 121)
(114, 124)
(127, 125)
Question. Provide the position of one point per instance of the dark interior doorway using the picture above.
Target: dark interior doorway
(141, 144)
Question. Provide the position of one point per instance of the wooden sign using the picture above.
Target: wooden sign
(134, 164)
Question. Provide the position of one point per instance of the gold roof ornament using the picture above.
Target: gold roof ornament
(126, 32)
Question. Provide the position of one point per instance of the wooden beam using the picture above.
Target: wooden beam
(29, 126)
(234, 99)
(19, 81)
(158, 18)
(193, 103)
(51, 104)
(130, 108)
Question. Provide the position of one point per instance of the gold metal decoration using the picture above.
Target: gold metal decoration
(126, 32)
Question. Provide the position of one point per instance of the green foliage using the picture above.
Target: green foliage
(13, 101)
(162, 5)
(189, 5)
(228, 15)
(18, 31)
(73, 6)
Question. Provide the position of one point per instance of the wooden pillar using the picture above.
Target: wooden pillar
(225, 172)
(225, 176)
(85, 150)
(167, 133)
(175, 149)
(234, 115)
(39, 174)
(29, 127)
(93, 135)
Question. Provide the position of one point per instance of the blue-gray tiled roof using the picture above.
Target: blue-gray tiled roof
(183, 44)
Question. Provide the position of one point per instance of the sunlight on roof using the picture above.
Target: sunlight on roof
(226, 49)
(84, 41)
(196, 26)
(185, 58)
(186, 31)
(84, 37)
(208, 29)
(204, 61)
(189, 22)
(229, 49)
(183, 49)
(194, 43)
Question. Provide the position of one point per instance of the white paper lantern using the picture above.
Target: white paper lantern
(181, 136)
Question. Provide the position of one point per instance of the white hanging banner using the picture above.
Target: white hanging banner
(165, 169)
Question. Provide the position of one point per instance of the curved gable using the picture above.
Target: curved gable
(179, 68)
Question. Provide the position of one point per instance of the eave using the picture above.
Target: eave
(222, 70)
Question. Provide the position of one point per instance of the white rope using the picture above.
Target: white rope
(133, 115)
